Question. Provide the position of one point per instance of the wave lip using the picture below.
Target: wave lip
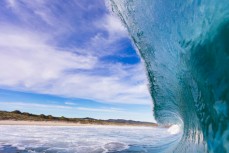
(185, 48)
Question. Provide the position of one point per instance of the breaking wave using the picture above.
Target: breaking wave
(185, 47)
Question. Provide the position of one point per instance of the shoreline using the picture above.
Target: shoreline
(23, 118)
(60, 123)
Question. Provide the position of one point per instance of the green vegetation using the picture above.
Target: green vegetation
(24, 116)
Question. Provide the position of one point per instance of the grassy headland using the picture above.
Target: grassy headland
(24, 116)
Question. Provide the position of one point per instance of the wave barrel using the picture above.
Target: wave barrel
(185, 48)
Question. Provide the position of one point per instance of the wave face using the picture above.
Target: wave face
(185, 47)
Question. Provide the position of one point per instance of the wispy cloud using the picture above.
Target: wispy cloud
(58, 51)
(23, 105)
(100, 109)
(70, 103)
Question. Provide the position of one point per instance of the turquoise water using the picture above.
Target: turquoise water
(185, 48)
(86, 139)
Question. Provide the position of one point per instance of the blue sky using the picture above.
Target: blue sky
(71, 58)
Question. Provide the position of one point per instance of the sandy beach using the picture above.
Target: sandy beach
(60, 123)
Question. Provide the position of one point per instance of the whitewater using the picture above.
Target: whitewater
(185, 48)
(86, 139)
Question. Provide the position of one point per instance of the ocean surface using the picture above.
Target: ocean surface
(87, 139)
(185, 48)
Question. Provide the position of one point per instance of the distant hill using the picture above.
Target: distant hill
(24, 116)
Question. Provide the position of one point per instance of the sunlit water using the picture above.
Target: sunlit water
(86, 139)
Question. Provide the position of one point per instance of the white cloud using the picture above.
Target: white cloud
(99, 109)
(31, 61)
(27, 61)
(70, 103)
(112, 25)
(28, 64)
(22, 105)
(103, 45)
(11, 3)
